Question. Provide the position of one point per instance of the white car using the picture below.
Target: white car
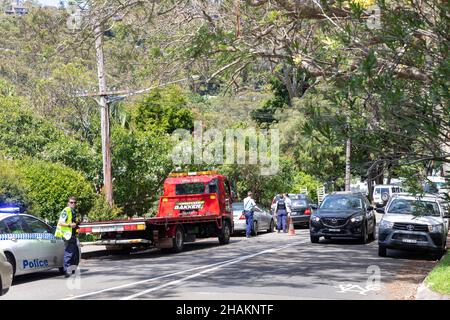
(383, 192)
(6, 274)
(412, 222)
(29, 243)
(262, 220)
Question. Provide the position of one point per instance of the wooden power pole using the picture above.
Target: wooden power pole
(104, 114)
(347, 164)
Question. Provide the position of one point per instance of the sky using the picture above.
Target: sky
(49, 2)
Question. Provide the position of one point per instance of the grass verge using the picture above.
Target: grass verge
(439, 278)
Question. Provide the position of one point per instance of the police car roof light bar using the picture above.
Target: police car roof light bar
(9, 210)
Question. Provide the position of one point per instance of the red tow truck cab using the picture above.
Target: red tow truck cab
(203, 193)
(193, 205)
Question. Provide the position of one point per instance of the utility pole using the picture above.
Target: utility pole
(104, 114)
(347, 157)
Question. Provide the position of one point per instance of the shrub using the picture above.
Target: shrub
(101, 211)
(43, 187)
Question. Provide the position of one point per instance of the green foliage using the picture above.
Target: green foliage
(100, 210)
(164, 110)
(303, 180)
(43, 187)
(248, 178)
(141, 162)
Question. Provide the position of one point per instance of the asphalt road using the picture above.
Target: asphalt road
(269, 266)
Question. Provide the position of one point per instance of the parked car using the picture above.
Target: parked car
(6, 274)
(413, 223)
(343, 215)
(262, 219)
(29, 243)
(302, 207)
(382, 193)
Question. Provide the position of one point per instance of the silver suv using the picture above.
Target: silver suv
(413, 222)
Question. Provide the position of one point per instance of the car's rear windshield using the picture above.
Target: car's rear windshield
(381, 190)
(299, 203)
(238, 206)
(190, 188)
(341, 203)
(409, 206)
(296, 196)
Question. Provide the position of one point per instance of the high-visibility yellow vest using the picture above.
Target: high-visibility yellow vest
(65, 232)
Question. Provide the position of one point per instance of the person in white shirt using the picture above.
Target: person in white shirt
(249, 206)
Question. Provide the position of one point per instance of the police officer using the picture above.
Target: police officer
(66, 229)
(249, 205)
(281, 211)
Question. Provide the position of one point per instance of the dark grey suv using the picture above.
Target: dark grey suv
(343, 215)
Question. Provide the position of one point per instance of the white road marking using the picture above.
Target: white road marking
(235, 260)
(218, 266)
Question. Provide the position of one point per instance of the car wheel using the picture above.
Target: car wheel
(10, 258)
(255, 228)
(271, 226)
(314, 239)
(382, 251)
(178, 240)
(224, 235)
(365, 236)
(372, 234)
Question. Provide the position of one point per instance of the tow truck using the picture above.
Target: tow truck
(193, 205)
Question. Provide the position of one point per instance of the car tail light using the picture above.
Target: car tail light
(133, 227)
(84, 230)
(308, 211)
(242, 217)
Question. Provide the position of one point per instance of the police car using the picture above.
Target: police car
(29, 243)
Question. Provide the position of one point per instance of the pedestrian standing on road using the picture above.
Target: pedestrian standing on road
(66, 229)
(249, 206)
(281, 211)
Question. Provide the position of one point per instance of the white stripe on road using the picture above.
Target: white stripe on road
(235, 260)
(224, 264)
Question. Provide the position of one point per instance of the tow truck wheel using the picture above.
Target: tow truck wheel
(178, 240)
(225, 233)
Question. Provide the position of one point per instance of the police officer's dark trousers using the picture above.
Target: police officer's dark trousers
(281, 220)
(71, 254)
(249, 221)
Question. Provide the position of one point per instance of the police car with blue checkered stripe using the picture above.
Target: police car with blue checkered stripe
(29, 243)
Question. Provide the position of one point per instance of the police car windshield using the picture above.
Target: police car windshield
(190, 188)
(414, 207)
(341, 203)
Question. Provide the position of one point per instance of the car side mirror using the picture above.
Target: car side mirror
(380, 210)
(314, 206)
(370, 208)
